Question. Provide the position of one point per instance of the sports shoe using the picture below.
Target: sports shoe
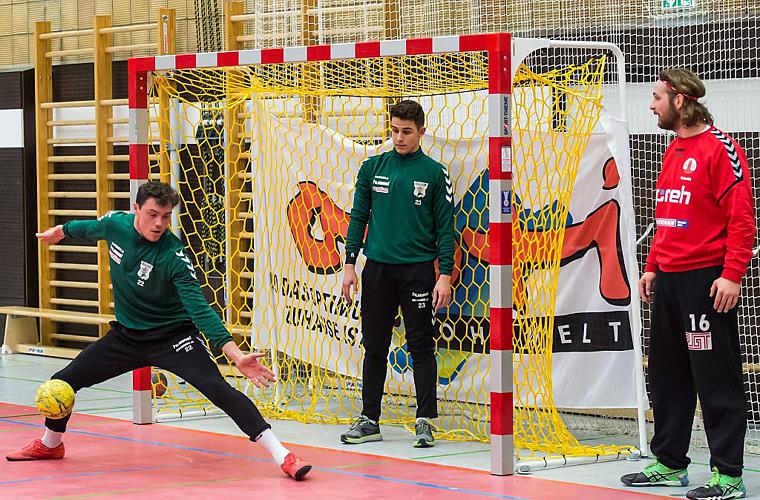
(720, 487)
(36, 451)
(423, 434)
(656, 474)
(295, 467)
(363, 430)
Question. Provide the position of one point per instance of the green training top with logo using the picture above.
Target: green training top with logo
(407, 200)
(154, 284)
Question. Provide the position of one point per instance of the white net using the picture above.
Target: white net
(717, 40)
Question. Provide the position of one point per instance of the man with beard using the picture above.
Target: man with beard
(703, 244)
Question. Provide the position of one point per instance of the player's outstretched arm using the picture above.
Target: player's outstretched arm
(90, 230)
(249, 365)
(52, 235)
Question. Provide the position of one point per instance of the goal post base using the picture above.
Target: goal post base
(529, 466)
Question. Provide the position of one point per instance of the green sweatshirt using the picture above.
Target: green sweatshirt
(408, 202)
(154, 284)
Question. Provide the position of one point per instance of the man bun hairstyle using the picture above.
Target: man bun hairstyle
(688, 84)
(164, 194)
(409, 110)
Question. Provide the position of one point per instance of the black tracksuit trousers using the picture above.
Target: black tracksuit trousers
(694, 351)
(384, 288)
(177, 348)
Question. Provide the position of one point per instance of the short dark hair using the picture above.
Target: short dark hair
(688, 84)
(409, 110)
(164, 194)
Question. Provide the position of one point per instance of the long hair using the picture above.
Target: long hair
(687, 83)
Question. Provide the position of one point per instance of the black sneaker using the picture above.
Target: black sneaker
(363, 430)
(656, 474)
(720, 487)
(423, 434)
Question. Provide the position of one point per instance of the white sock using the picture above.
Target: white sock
(424, 419)
(268, 440)
(51, 439)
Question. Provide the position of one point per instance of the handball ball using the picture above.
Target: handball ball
(55, 399)
(158, 381)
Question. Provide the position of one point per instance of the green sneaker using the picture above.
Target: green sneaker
(720, 487)
(423, 434)
(363, 430)
(656, 474)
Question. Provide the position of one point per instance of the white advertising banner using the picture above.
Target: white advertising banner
(301, 212)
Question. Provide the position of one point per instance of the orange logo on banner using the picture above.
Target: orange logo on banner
(321, 254)
(309, 206)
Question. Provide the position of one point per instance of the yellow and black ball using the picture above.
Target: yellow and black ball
(55, 399)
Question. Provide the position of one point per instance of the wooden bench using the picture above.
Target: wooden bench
(22, 334)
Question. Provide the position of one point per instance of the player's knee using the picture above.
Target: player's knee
(421, 346)
(219, 389)
(375, 353)
(66, 377)
(373, 348)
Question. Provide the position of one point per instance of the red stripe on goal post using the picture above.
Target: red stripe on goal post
(318, 53)
(138, 162)
(419, 46)
(500, 242)
(367, 49)
(184, 61)
(227, 58)
(501, 413)
(270, 56)
(501, 337)
(141, 379)
(137, 80)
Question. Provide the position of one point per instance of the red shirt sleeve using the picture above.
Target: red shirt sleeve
(733, 190)
(651, 265)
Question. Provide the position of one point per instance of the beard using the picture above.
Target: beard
(669, 120)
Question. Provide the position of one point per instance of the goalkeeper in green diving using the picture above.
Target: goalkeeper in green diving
(160, 313)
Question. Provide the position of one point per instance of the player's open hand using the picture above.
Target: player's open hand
(259, 374)
(726, 293)
(442, 292)
(350, 282)
(52, 235)
(646, 287)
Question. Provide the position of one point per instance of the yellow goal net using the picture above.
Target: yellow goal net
(265, 158)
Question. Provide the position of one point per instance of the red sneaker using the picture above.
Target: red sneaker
(37, 451)
(295, 467)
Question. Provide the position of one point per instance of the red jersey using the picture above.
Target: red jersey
(704, 211)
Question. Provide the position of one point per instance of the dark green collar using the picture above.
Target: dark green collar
(409, 156)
